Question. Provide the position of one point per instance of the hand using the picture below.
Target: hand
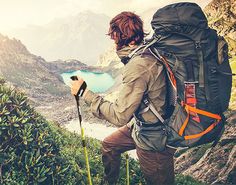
(78, 86)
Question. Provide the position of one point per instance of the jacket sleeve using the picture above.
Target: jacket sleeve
(120, 112)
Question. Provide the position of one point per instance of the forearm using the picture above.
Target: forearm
(135, 80)
(104, 109)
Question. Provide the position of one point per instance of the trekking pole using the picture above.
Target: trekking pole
(81, 90)
(83, 142)
(127, 168)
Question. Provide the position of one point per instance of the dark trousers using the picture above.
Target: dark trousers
(157, 167)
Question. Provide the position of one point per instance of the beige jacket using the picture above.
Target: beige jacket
(141, 74)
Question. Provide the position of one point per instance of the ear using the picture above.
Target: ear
(132, 44)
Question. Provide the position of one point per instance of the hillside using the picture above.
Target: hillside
(26, 70)
(39, 79)
(222, 17)
(35, 151)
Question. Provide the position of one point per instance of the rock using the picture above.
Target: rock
(215, 165)
(109, 58)
(222, 17)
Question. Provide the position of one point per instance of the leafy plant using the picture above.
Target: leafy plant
(187, 180)
(35, 151)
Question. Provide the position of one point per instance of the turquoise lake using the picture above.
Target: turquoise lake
(97, 82)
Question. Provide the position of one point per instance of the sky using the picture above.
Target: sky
(20, 13)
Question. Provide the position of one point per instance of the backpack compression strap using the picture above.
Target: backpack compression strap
(188, 108)
(202, 112)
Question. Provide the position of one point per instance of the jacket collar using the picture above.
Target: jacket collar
(124, 52)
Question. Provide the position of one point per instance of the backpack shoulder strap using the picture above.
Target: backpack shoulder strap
(152, 108)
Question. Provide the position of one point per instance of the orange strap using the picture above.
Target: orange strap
(172, 76)
(203, 132)
(202, 112)
(191, 101)
(181, 130)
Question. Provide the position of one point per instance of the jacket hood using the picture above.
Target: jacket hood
(124, 52)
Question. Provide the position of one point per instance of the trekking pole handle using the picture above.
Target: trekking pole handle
(79, 111)
(82, 87)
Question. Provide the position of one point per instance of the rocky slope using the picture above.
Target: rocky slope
(20, 67)
(222, 17)
(109, 58)
(215, 165)
(40, 80)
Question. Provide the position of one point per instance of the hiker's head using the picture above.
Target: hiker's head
(126, 28)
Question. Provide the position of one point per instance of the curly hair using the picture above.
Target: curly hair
(125, 28)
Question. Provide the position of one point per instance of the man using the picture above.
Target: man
(142, 75)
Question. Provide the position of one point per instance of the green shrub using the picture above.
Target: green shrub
(187, 180)
(34, 151)
(29, 144)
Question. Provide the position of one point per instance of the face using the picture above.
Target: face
(115, 39)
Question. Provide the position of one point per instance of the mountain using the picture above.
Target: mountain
(39, 79)
(82, 37)
(25, 70)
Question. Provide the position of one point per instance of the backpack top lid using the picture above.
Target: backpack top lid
(178, 14)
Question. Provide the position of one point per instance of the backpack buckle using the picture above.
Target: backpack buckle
(198, 45)
(146, 102)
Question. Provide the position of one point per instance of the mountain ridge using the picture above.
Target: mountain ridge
(74, 37)
(39, 79)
